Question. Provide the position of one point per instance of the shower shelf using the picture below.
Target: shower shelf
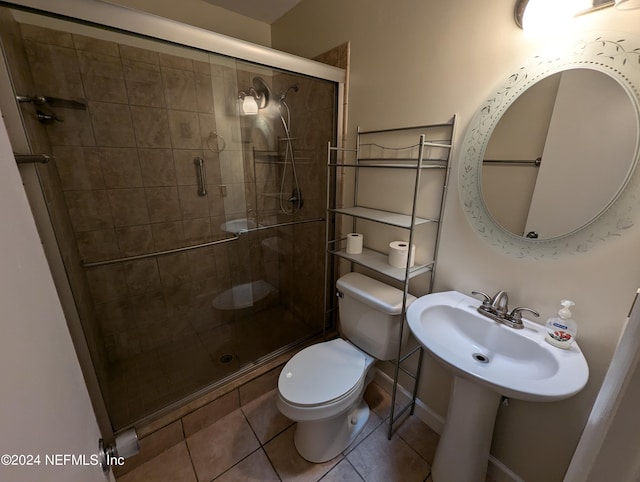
(384, 217)
(392, 149)
(378, 262)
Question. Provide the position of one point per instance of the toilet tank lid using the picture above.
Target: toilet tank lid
(373, 293)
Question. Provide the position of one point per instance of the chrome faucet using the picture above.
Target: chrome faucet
(500, 303)
(497, 308)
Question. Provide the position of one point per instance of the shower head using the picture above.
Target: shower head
(293, 87)
(263, 91)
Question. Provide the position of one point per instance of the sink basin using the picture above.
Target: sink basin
(237, 226)
(488, 360)
(515, 363)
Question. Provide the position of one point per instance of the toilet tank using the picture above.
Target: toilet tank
(370, 315)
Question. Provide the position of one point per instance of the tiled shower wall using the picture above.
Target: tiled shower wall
(129, 182)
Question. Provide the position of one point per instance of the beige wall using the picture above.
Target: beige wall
(204, 15)
(418, 62)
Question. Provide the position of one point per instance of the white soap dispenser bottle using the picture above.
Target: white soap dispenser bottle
(562, 329)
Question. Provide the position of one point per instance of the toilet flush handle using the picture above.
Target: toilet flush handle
(339, 294)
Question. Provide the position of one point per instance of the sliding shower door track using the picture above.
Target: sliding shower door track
(233, 381)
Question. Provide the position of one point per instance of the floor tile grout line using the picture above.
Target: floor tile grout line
(260, 442)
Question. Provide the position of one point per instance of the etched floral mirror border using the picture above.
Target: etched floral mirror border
(617, 55)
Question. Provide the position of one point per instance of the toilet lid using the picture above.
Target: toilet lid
(321, 373)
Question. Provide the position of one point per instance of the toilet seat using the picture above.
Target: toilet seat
(321, 374)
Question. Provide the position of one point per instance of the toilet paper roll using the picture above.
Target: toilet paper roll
(399, 252)
(354, 243)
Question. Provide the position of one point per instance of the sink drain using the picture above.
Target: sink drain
(225, 359)
(480, 357)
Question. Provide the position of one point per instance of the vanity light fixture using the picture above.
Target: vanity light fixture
(545, 15)
(256, 97)
(627, 4)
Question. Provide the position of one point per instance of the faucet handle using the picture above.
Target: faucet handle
(516, 313)
(486, 302)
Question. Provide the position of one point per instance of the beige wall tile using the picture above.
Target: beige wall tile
(55, 70)
(185, 130)
(179, 89)
(144, 83)
(112, 124)
(210, 413)
(204, 93)
(191, 204)
(92, 44)
(76, 130)
(149, 308)
(151, 126)
(157, 167)
(142, 276)
(173, 61)
(163, 204)
(89, 210)
(259, 386)
(97, 245)
(120, 167)
(79, 168)
(139, 54)
(128, 206)
(178, 303)
(107, 283)
(134, 240)
(46, 35)
(197, 230)
(174, 269)
(202, 263)
(167, 235)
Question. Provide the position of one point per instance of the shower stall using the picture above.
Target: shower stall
(184, 195)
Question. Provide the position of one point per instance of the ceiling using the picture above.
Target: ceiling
(267, 11)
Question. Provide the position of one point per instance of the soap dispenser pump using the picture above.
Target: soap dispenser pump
(562, 329)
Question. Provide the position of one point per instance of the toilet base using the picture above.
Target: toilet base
(322, 440)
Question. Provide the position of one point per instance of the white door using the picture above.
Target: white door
(48, 430)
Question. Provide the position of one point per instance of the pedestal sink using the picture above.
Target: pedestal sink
(488, 360)
(238, 226)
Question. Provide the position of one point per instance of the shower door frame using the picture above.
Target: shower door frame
(101, 14)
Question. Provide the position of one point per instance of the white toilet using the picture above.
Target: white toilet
(321, 387)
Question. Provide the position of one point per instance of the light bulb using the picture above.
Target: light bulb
(249, 105)
(544, 17)
(627, 4)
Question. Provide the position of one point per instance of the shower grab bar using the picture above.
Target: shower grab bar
(202, 177)
(235, 237)
(31, 158)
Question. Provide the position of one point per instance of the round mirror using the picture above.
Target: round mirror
(547, 162)
(560, 154)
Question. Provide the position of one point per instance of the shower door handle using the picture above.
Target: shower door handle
(202, 177)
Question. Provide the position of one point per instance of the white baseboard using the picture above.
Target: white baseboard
(497, 470)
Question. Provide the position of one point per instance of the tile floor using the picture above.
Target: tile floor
(255, 443)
